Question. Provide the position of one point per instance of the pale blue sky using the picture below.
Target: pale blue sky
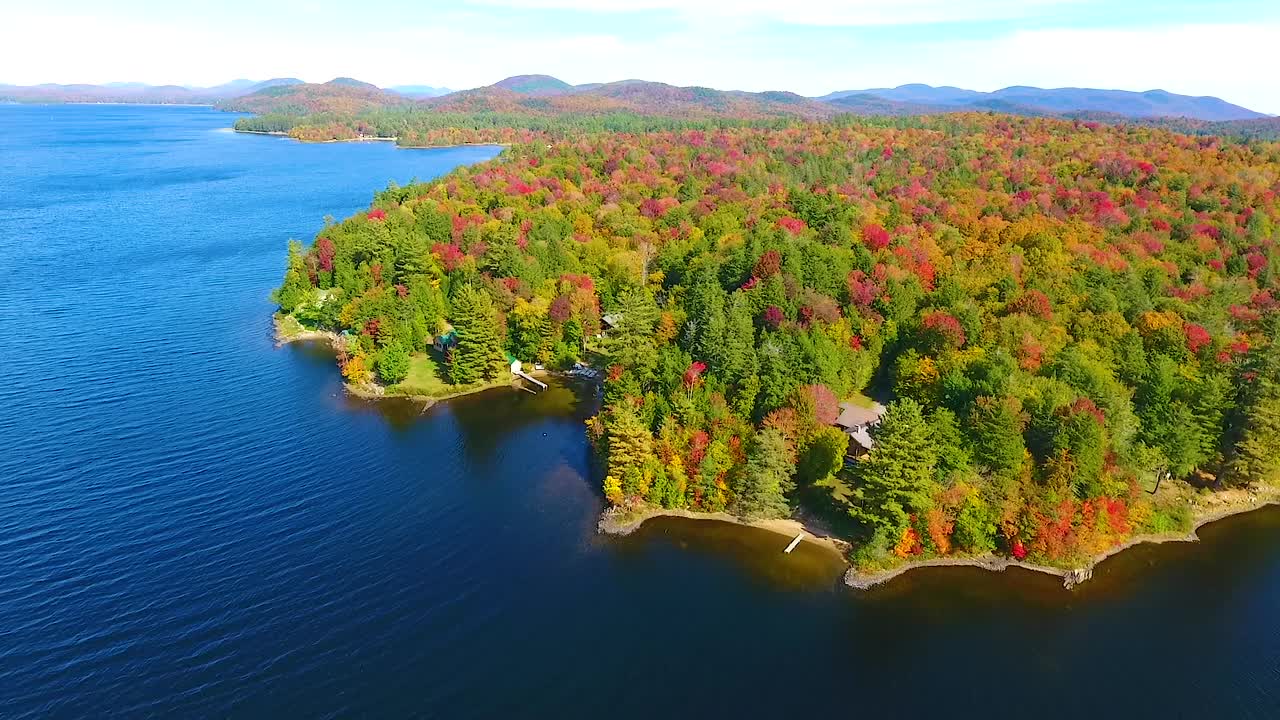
(1225, 48)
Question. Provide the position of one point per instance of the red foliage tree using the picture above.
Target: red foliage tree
(769, 264)
(944, 328)
(1033, 303)
(795, 226)
(693, 375)
(560, 310)
(863, 290)
(324, 253)
(1197, 337)
(698, 444)
(773, 317)
(874, 236)
(826, 406)
(450, 255)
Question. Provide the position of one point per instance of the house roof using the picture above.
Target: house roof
(611, 319)
(852, 415)
(863, 438)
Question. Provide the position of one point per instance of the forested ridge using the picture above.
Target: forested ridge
(1055, 313)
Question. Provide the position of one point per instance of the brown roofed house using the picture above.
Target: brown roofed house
(856, 421)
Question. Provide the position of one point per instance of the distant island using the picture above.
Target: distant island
(952, 338)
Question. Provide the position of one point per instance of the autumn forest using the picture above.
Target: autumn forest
(1071, 325)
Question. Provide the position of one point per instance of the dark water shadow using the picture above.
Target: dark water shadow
(756, 553)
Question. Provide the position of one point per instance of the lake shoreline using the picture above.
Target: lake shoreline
(621, 524)
(374, 391)
(1071, 577)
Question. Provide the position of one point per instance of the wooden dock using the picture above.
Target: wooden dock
(794, 543)
(517, 369)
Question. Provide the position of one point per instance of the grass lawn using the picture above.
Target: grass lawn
(288, 327)
(860, 400)
(427, 378)
(828, 500)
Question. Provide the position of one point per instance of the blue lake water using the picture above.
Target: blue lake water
(195, 523)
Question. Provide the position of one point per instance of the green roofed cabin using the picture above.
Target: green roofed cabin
(446, 340)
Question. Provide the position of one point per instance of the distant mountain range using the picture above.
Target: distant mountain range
(547, 94)
(419, 91)
(1032, 100)
(133, 92)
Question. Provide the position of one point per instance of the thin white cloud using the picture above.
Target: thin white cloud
(1223, 60)
(1226, 60)
(842, 13)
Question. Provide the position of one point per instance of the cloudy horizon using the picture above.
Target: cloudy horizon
(811, 47)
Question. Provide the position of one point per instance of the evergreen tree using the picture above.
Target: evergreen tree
(995, 426)
(1168, 421)
(393, 363)
(631, 343)
(895, 479)
(1255, 458)
(954, 453)
(629, 437)
(297, 284)
(767, 478)
(708, 321)
(738, 349)
(426, 304)
(478, 354)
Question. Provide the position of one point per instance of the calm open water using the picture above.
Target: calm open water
(194, 523)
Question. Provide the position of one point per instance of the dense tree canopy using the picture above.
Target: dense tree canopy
(1055, 312)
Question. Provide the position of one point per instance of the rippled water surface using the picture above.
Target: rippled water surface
(194, 523)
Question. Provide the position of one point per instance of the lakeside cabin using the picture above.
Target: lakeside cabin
(856, 421)
(445, 340)
(608, 322)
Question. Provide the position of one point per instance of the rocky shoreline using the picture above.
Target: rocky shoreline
(624, 522)
(1071, 577)
(621, 523)
(374, 391)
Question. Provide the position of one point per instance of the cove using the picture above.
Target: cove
(194, 523)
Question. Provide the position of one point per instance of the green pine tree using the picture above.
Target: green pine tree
(995, 425)
(767, 478)
(738, 349)
(297, 284)
(1255, 458)
(478, 354)
(393, 363)
(895, 479)
(631, 343)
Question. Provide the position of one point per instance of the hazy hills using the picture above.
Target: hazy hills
(133, 92)
(1149, 104)
(546, 94)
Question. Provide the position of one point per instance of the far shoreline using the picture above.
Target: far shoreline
(371, 138)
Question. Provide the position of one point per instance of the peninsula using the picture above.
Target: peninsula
(1069, 326)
